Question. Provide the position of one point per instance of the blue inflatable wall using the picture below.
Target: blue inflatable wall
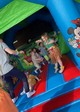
(77, 6)
(4, 3)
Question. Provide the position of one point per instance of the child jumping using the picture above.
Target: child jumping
(32, 80)
(54, 52)
(36, 60)
(43, 51)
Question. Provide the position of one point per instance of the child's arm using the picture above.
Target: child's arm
(51, 41)
(38, 59)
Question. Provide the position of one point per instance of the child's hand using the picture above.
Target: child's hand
(21, 52)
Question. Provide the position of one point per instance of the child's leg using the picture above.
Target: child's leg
(42, 60)
(61, 65)
(56, 67)
(40, 70)
(43, 63)
(30, 88)
(37, 68)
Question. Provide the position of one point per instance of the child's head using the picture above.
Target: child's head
(32, 51)
(36, 50)
(44, 36)
(41, 44)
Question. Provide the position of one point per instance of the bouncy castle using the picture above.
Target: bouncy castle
(55, 92)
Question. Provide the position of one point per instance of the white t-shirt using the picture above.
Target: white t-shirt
(5, 67)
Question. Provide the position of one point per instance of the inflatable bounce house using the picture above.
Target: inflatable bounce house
(55, 92)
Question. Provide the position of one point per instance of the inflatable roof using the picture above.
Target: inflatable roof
(15, 11)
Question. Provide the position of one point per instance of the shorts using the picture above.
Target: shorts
(37, 65)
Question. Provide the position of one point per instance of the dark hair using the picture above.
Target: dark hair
(45, 34)
(40, 43)
(37, 50)
(24, 51)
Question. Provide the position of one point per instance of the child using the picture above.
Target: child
(54, 52)
(36, 60)
(32, 80)
(6, 104)
(38, 55)
(43, 51)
